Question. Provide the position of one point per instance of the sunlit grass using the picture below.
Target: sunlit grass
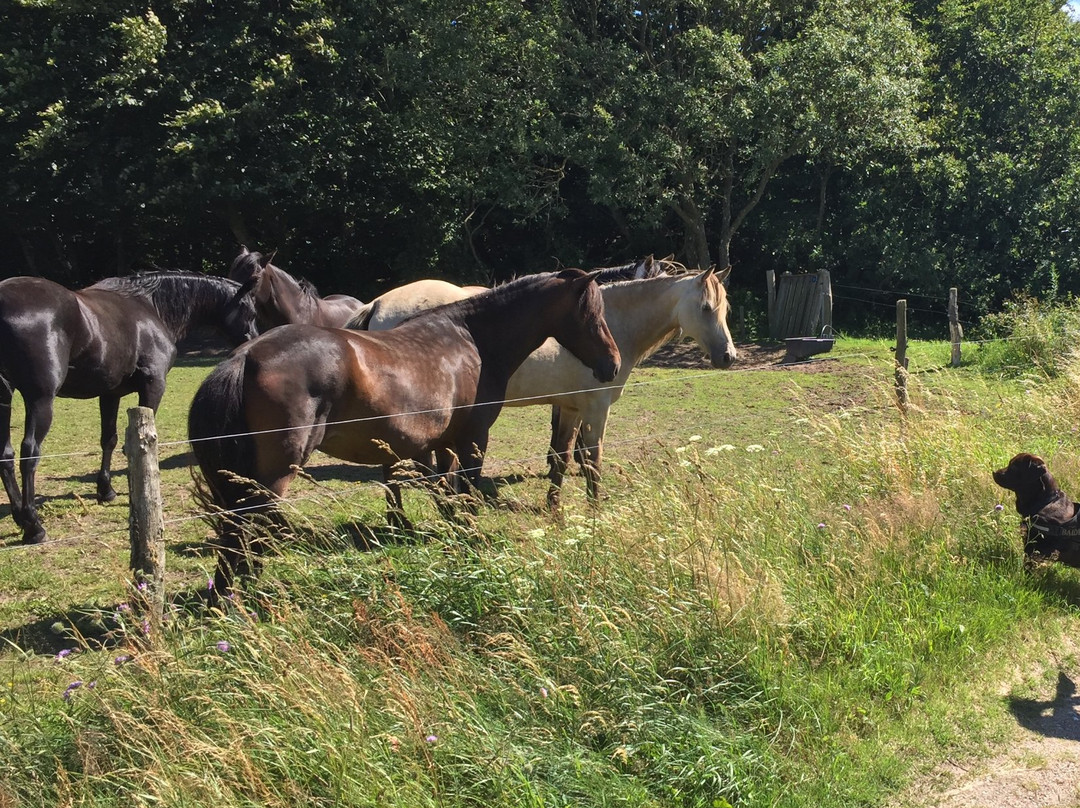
(791, 595)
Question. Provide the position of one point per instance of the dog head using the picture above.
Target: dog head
(1027, 477)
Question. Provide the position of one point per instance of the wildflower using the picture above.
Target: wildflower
(146, 628)
(431, 738)
(64, 654)
(209, 584)
(543, 692)
(537, 533)
(695, 438)
(846, 507)
(142, 586)
(999, 507)
(821, 525)
(755, 447)
(123, 607)
(223, 646)
(120, 660)
(680, 449)
(71, 689)
(685, 463)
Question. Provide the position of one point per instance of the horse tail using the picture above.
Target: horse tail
(218, 432)
(217, 429)
(360, 320)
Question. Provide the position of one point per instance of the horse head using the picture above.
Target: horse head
(248, 268)
(703, 316)
(585, 333)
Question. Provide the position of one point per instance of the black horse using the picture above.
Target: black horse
(113, 338)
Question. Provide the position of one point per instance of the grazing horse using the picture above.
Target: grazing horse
(281, 299)
(113, 338)
(434, 383)
(400, 303)
(642, 316)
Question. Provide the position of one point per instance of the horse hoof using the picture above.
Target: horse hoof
(554, 500)
(35, 536)
(106, 496)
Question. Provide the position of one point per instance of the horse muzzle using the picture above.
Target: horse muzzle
(723, 359)
(607, 370)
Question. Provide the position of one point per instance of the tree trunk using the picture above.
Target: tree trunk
(695, 240)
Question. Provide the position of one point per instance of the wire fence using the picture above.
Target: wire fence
(652, 436)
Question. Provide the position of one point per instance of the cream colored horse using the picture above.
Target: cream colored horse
(390, 308)
(642, 316)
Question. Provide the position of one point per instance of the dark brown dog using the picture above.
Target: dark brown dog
(1050, 516)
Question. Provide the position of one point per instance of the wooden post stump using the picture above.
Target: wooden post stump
(956, 333)
(146, 523)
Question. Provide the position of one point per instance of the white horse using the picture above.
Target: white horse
(642, 316)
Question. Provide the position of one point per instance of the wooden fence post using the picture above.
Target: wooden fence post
(825, 282)
(956, 333)
(146, 523)
(901, 356)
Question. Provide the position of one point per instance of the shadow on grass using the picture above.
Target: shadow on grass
(1053, 718)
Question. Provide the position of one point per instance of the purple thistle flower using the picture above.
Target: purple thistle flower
(223, 646)
(999, 507)
(71, 689)
(63, 654)
(846, 507)
(821, 525)
(142, 586)
(431, 738)
(120, 660)
(209, 584)
(544, 692)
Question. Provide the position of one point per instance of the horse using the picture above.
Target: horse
(642, 315)
(434, 383)
(281, 299)
(399, 303)
(105, 341)
(393, 306)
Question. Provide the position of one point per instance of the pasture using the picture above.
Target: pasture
(790, 595)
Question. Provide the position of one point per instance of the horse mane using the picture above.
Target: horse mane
(172, 293)
(244, 266)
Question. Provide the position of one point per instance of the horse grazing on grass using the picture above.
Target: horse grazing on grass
(113, 338)
(642, 316)
(435, 383)
(281, 299)
(402, 302)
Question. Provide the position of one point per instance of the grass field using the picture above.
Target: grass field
(792, 595)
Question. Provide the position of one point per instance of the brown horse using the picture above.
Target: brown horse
(281, 299)
(434, 383)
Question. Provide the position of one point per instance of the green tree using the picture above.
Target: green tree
(693, 107)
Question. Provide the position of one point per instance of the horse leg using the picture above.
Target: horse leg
(589, 451)
(108, 406)
(564, 423)
(39, 415)
(7, 455)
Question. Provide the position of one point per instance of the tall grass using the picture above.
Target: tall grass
(738, 625)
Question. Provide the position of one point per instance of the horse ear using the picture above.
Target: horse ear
(722, 275)
(590, 276)
(266, 259)
(244, 250)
